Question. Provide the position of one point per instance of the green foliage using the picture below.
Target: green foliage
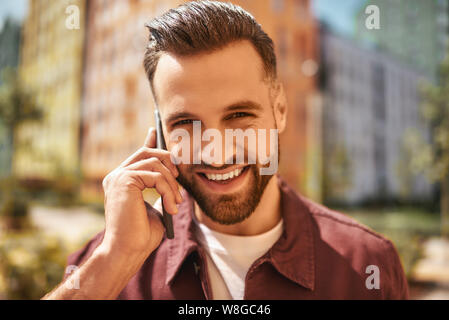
(432, 157)
(13, 204)
(17, 104)
(337, 174)
(31, 264)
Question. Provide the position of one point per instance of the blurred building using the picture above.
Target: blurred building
(413, 31)
(294, 30)
(51, 67)
(9, 42)
(370, 100)
(118, 107)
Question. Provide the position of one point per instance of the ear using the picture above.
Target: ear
(279, 102)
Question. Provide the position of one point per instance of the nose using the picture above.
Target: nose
(215, 152)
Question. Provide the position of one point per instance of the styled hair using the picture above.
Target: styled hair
(205, 26)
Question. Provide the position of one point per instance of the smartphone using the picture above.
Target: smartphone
(160, 144)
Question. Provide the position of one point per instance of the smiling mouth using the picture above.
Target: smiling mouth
(224, 178)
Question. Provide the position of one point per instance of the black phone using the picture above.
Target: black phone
(160, 144)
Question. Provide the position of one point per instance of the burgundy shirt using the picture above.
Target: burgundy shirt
(322, 254)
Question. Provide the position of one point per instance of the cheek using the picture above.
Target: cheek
(264, 138)
(265, 142)
(182, 148)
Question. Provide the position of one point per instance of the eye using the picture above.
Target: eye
(182, 122)
(239, 115)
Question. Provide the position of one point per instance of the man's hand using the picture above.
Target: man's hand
(129, 228)
(133, 228)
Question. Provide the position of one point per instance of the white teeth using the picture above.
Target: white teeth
(225, 176)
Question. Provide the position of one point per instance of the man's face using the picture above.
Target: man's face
(223, 90)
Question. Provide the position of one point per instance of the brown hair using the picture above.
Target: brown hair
(204, 26)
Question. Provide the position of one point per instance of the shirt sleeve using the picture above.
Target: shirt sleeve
(77, 258)
(397, 285)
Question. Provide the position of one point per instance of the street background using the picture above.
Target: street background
(367, 86)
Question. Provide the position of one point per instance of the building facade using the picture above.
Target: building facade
(370, 101)
(9, 42)
(118, 106)
(413, 31)
(51, 67)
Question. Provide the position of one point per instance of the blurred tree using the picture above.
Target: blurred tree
(431, 156)
(337, 174)
(17, 105)
(31, 263)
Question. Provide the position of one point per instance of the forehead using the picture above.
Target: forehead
(206, 82)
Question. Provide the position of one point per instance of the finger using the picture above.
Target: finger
(150, 140)
(148, 179)
(145, 153)
(154, 164)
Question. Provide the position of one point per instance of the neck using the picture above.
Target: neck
(264, 218)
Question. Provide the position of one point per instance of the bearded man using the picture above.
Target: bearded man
(238, 234)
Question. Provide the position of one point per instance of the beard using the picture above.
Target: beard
(230, 208)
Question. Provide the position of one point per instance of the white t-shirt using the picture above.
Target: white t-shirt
(229, 257)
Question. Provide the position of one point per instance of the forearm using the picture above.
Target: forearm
(102, 276)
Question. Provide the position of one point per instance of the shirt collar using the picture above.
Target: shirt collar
(292, 255)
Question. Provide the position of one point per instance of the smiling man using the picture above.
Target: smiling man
(239, 233)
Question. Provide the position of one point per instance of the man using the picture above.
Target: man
(239, 234)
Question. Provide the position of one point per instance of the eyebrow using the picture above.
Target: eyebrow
(244, 104)
(239, 105)
(179, 115)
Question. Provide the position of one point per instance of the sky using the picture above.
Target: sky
(339, 14)
(13, 8)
